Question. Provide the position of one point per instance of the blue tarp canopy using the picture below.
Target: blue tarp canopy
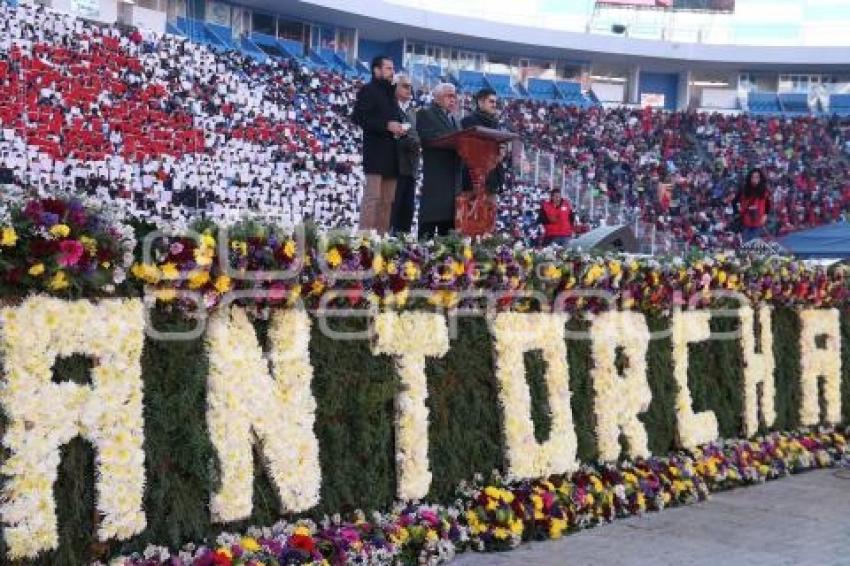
(831, 241)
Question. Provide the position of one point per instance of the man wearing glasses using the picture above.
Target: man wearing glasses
(441, 168)
(408, 159)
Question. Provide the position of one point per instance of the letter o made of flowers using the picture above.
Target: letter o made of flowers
(409, 338)
(515, 334)
(283, 428)
(820, 362)
(44, 415)
(619, 400)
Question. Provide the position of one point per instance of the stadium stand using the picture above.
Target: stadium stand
(168, 129)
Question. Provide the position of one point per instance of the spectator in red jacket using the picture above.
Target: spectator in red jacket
(556, 216)
(753, 205)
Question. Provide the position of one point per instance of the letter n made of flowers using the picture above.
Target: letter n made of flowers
(820, 360)
(411, 337)
(620, 398)
(247, 405)
(44, 415)
(517, 333)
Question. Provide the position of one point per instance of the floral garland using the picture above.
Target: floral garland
(501, 514)
(758, 369)
(515, 334)
(238, 376)
(44, 415)
(410, 338)
(620, 399)
(822, 361)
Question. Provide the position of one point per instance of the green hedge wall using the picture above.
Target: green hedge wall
(355, 392)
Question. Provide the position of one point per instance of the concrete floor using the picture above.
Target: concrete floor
(801, 520)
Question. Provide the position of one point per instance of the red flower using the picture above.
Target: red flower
(302, 542)
(220, 558)
(70, 252)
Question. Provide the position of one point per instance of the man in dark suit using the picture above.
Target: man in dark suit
(441, 168)
(408, 159)
(376, 112)
(486, 114)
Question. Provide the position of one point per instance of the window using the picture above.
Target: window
(263, 23)
(287, 29)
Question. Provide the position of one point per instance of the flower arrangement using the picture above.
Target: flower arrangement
(60, 247)
(500, 514)
(349, 270)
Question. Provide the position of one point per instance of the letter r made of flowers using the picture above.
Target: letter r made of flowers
(620, 398)
(44, 415)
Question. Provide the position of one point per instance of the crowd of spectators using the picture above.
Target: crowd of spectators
(168, 130)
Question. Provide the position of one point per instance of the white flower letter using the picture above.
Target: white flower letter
(516, 334)
(816, 362)
(247, 405)
(619, 400)
(44, 415)
(758, 369)
(410, 338)
(694, 429)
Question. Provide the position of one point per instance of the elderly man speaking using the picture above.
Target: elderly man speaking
(441, 168)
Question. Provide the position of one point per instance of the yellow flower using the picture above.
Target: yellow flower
(333, 257)
(224, 552)
(378, 264)
(411, 271)
(614, 268)
(60, 230)
(165, 295)
(207, 241)
(198, 278)
(59, 281)
(239, 246)
(146, 272)
(432, 536)
(517, 527)
(9, 238)
(467, 253)
(250, 544)
(552, 272)
(459, 268)
(301, 531)
(501, 533)
(169, 271)
(90, 244)
(289, 249)
(222, 284)
(317, 287)
(294, 294)
(36, 269)
(204, 255)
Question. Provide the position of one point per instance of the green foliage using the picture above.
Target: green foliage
(355, 393)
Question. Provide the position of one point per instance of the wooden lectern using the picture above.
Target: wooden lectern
(475, 214)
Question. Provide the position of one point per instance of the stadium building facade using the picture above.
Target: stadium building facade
(581, 68)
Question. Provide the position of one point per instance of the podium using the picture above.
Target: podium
(475, 213)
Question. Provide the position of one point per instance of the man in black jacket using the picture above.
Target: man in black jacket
(486, 114)
(441, 168)
(408, 159)
(376, 112)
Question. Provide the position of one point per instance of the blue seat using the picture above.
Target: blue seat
(794, 103)
(502, 85)
(542, 89)
(763, 103)
(571, 94)
(470, 81)
(839, 104)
